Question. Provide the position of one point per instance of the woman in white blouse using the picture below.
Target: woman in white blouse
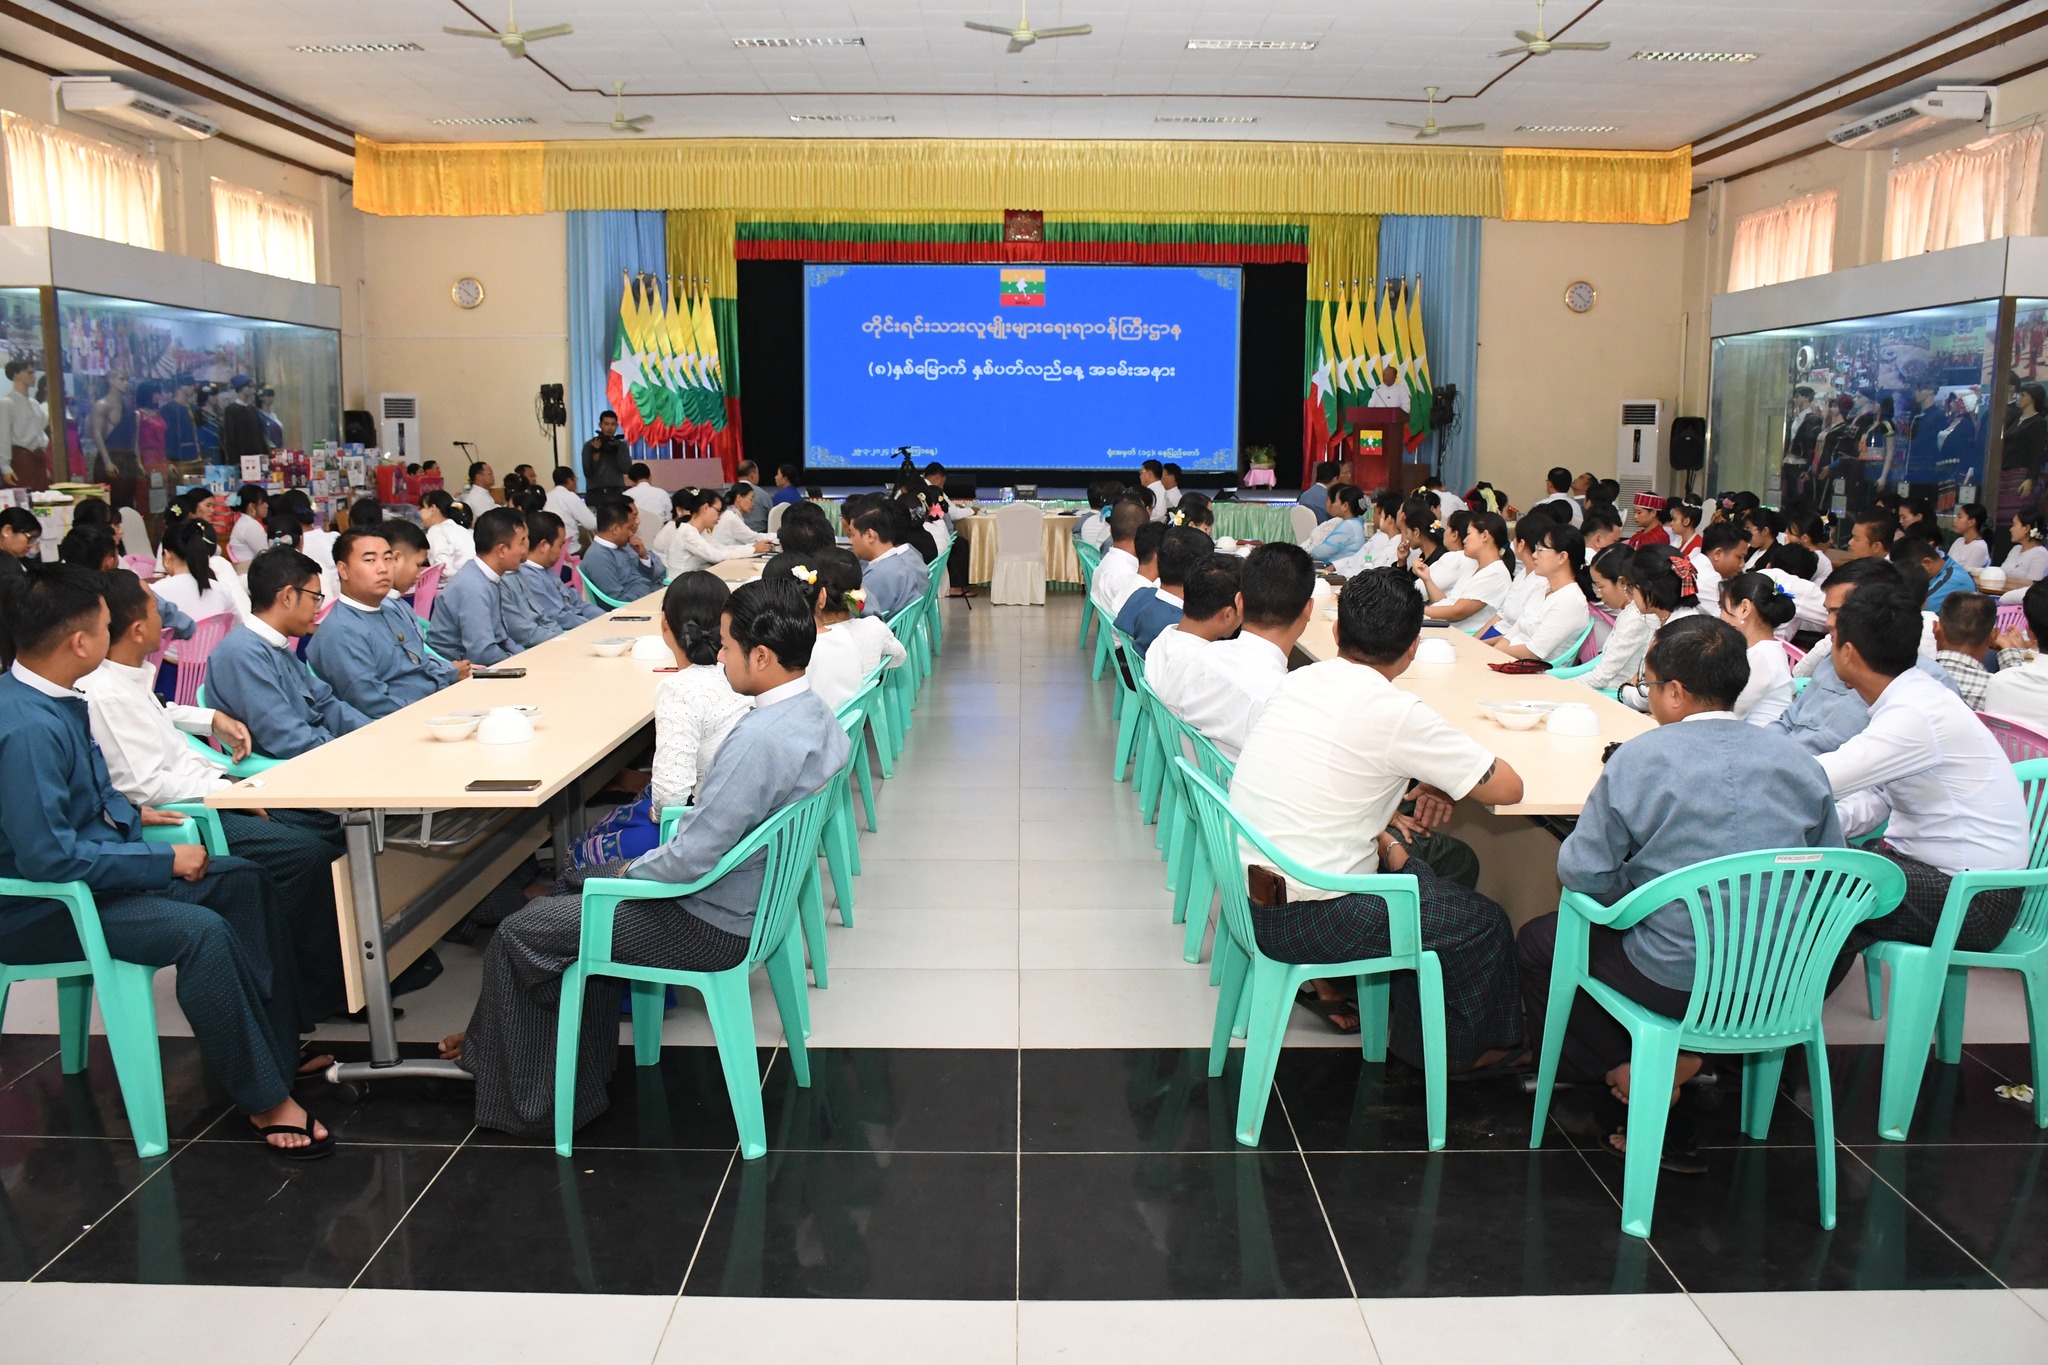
(1664, 586)
(1621, 658)
(1557, 555)
(2028, 559)
(449, 542)
(1757, 606)
(197, 580)
(1971, 550)
(694, 709)
(249, 538)
(1480, 592)
(690, 545)
(849, 645)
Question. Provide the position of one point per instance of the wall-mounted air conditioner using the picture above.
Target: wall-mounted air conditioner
(398, 425)
(104, 98)
(1942, 106)
(1639, 447)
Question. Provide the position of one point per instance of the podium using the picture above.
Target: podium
(1393, 466)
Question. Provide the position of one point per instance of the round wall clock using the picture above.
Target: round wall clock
(467, 293)
(1580, 297)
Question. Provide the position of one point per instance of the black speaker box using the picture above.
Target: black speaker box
(1688, 443)
(358, 428)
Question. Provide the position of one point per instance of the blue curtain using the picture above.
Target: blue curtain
(603, 246)
(1444, 251)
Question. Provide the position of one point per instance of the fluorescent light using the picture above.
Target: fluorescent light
(498, 121)
(1693, 57)
(1247, 45)
(842, 118)
(1206, 118)
(1568, 128)
(799, 42)
(326, 49)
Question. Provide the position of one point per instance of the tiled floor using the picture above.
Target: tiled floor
(1011, 1152)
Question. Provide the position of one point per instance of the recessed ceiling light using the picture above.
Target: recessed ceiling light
(1568, 128)
(799, 42)
(842, 118)
(499, 121)
(337, 48)
(1206, 118)
(1693, 57)
(1247, 45)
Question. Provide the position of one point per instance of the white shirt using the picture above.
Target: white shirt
(182, 591)
(318, 546)
(1490, 585)
(732, 529)
(1223, 689)
(1926, 763)
(688, 548)
(1172, 496)
(1809, 602)
(1768, 694)
(1550, 621)
(27, 423)
(1448, 502)
(655, 507)
(694, 710)
(1524, 592)
(846, 652)
(1336, 749)
(1167, 661)
(140, 736)
(479, 500)
(1970, 554)
(1707, 581)
(2030, 563)
(247, 540)
(1452, 568)
(1394, 395)
(1622, 656)
(42, 684)
(1157, 492)
(1096, 531)
(1116, 577)
(1571, 505)
(451, 546)
(2021, 693)
(574, 511)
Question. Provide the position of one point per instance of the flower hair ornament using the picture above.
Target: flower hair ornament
(809, 576)
(856, 601)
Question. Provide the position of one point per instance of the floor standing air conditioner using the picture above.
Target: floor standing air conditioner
(398, 425)
(1638, 448)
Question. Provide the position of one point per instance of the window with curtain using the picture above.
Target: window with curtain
(1788, 241)
(60, 180)
(257, 231)
(1971, 194)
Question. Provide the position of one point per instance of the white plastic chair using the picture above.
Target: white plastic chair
(1303, 521)
(1019, 578)
(775, 517)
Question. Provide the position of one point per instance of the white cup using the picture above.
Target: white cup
(504, 725)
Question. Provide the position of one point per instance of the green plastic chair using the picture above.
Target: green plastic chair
(127, 998)
(935, 576)
(868, 699)
(590, 591)
(1104, 623)
(790, 839)
(1930, 985)
(1130, 725)
(1089, 557)
(1564, 658)
(1262, 989)
(237, 768)
(1754, 992)
(1188, 876)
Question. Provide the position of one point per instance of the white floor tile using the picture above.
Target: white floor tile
(904, 802)
(1192, 1330)
(909, 1007)
(1636, 1329)
(2036, 1299)
(432, 1013)
(940, 938)
(932, 883)
(847, 1331)
(1083, 801)
(1169, 1007)
(1878, 1325)
(940, 771)
(965, 835)
(1051, 883)
(123, 1324)
(1114, 838)
(1997, 1011)
(399, 1327)
(1100, 938)
(32, 1008)
(8, 1289)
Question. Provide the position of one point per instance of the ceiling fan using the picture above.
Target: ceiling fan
(619, 123)
(1537, 43)
(512, 39)
(1024, 35)
(1430, 127)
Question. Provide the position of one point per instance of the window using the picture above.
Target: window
(256, 231)
(1971, 194)
(60, 180)
(1788, 241)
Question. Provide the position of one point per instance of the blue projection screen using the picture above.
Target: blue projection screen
(1027, 367)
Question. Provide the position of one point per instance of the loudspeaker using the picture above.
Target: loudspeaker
(358, 428)
(1443, 408)
(1688, 444)
(554, 407)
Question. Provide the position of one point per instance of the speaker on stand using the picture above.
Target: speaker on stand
(1443, 418)
(358, 428)
(552, 410)
(1688, 449)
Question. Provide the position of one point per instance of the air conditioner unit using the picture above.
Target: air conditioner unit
(1638, 449)
(103, 97)
(1945, 104)
(398, 425)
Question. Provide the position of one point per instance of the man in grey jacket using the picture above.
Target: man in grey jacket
(469, 614)
(787, 748)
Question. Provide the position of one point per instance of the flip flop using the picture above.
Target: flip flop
(1330, 1010)
(315, 1149)
(1681, 1154)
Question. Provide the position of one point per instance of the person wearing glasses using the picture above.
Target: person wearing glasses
(370, 648)
(253, 673)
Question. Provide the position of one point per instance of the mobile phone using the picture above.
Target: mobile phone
(497, 673)
(632, 618)
(503, 784)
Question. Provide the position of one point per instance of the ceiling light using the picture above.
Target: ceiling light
(1693, 57)
(326, 49)
(842, 118)
(799, 42)
(1206, 118)
(1247, 45)
(1568, 128)
(498, 121)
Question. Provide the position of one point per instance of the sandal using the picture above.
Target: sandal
(1330, 1010)
(312, 1065)
(315, 1148)
(1681, 1154)
(1514, 1064)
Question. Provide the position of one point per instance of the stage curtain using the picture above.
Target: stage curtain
(458, 180)
(1593, 187)
(700, 247)
(1444, 253)
(1343, 253)
(603, 248)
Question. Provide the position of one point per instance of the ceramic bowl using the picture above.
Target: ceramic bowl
(1575, 719)
(1991, 580)
(650, 650)
(1436, 651)
(612, 646)
(504, 725)
(452, 728)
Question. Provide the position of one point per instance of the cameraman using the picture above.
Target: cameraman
(605, 458)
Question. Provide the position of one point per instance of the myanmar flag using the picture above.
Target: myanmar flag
(1023, 289)
(624, 380)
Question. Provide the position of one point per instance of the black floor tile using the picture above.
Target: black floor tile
(1480, 1223)
(1956, 1103)
(860, 1225)
(896, 1100)
(408, 1112)
(524, 1220)
(88, 1104)
(1137, 1100)
(1752, 1223)
(1340, 1102)
(21, 1053)
(231, 1213)
(1992, 1199)
(682, 1104)
(51, 1189)
(1184, 1225)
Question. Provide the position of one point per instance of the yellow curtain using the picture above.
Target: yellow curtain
(700, 248)
(450, 179)
(1343, 253)
(1596, 187)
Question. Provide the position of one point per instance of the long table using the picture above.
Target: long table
(1518, 857)
(1062, 565)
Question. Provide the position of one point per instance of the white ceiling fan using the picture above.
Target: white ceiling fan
(1538, 43)
(1024, 35)
(512, 39)
(619, 122)
(1430, 127)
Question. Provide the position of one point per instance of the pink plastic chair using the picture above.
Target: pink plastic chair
(2020, 742)
(192, 655)
(2012, 616)
(1793, 653)
(1596, 639)
(142, 566)
(425, 590)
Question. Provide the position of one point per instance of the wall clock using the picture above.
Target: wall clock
(467, 293)
(1580, 297)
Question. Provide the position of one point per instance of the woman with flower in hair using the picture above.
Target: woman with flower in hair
(849, 643)
(694, 709)
(689, 543)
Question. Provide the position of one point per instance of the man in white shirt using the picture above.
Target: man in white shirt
(1117, 577)
(1336, 751)
(1930, 768)
(1389, 390)
(1151, 477)
(27, 430)
(1560, 481)
(652, 502)
(566, 503)
(1224, 687)
(1214, 611)
(481, 495)
(2019, 688)
(1169, 476)
(1447, 502)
